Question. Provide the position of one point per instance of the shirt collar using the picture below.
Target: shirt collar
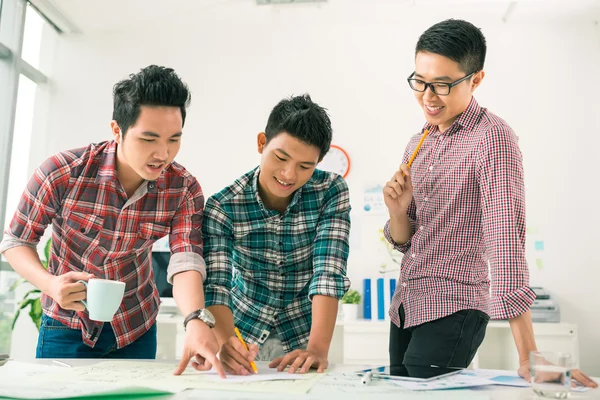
(107, 172)
(466, 120)
(294, 201)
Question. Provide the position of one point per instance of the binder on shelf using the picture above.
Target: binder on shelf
(380, 300)
(367, 299)
(392, 288)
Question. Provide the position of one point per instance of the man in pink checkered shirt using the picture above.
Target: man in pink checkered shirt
(460, 206)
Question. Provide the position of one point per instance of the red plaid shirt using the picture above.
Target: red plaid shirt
(97, 229)
(468, 209)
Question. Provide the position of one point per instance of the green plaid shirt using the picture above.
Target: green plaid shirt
(266, 266)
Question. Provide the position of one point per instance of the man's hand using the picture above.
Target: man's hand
(398, 192)
(576, 374)
(200, 342)
(235, 358)
(67, 292)
(301, 361)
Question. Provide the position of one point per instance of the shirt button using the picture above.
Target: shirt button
(426, 199)
(119, 238)
(421, 228)
(431, 167)
(413, 255)
(82, 230)
(151, 185)
(403, 284)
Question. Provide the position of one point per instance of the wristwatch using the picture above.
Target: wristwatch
(203, 315)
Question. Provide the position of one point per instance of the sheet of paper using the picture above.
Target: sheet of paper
(498, 377)
(133, 371)
(25, 390)
(264, 374)
(349, 385)
(451, 382)
(159, 376)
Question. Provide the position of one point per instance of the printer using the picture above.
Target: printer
(544, 307)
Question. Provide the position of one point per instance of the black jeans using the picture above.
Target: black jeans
(451, 341)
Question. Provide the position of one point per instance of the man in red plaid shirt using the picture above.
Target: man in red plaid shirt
(460, 206)
(108, 203)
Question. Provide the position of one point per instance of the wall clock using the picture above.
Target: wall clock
(337, 160)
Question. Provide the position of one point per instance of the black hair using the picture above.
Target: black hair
(458, 40)
(303, 119)
(152, 86)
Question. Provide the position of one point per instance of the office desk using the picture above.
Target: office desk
(326, 388)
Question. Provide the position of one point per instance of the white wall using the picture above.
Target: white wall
(240, 61)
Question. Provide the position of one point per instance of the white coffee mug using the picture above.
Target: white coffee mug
(103, 298)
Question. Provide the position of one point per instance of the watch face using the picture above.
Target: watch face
(207, 317)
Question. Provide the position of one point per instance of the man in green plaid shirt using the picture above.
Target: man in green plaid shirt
(276, 247)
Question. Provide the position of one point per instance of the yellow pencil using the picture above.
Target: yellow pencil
(414, 154)
(239, 335)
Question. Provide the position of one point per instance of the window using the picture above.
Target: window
(32, 37)
(19, 166)
(26, 46)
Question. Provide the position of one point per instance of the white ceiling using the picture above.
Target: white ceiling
(91, 16)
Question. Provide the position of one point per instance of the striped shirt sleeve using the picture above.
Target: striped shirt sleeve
(218, 242)
(39, 203)
(331, 245)
(185, 238)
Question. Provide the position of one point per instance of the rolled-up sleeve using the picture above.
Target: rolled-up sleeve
(38, 205)
(404, 247)
(218, 241)
(500, 174)
(185, 237)
(331, 245)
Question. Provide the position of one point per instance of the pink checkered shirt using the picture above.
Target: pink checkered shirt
(468, 209)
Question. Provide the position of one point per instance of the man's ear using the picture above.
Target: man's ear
(261, 142)
(116, 131)
(476, 81)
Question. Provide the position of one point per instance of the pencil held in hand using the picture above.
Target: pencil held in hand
(239, 335)
(414, 154)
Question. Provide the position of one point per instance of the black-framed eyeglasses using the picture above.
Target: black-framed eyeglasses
(439, 88)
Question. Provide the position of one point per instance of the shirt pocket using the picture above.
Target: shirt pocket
(82, 230)
(82, 239)
(149, 233)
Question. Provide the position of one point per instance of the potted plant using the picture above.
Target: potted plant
(31, 299)
(350, 303)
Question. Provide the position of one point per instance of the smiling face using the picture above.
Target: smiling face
(443, 110)
(286, 165)
(149, 145)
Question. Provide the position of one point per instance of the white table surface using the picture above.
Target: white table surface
(361, 392)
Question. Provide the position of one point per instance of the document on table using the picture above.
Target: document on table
(130, 377)
(451, 382)
(349, 385)
(497, 377)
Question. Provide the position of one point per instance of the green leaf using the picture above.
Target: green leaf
(36, 312)
(24, 303)
(31, 293)
(351, 297)
(14, 321)
(17, 284)
(47, 249)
